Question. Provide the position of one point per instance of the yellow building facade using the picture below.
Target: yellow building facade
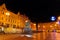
(48, 26)
(9, 19)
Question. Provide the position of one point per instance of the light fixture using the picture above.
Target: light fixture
(7, 13)
(53, 18)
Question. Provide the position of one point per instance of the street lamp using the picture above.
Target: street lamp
(34, 24)
(59, 18)
(26, 21)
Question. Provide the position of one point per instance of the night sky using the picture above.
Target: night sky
(37, 10)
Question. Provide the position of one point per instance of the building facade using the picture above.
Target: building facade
(48, 26)
(9, 19)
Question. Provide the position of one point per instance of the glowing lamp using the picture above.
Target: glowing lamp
(59, 18)
(53, 18)
(34, 24)
(8, 13)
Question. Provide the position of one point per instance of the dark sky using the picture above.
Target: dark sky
(37, 10)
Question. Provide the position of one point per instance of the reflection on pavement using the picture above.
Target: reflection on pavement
(28, 35)
(45, 36)
(35, 36)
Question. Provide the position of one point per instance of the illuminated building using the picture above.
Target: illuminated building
(33, 26)
(9, 19)
(48, 26)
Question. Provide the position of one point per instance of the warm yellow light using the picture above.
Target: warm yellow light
(2, 28)
(51, 26)
(8, 13)
(26, 21)
(55, 24)
(34, 24)
(43, 26)
(38, 26)
(59, 18)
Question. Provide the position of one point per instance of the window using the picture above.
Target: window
(17, 26)
(2, 11)
(7, 25)
(4, 8)
(2, 18)
(1, 24)
(14, 26)
(9, 20)
(13, 21)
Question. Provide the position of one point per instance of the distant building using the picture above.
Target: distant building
(48, 26)
(9, 19)
(33, 26)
